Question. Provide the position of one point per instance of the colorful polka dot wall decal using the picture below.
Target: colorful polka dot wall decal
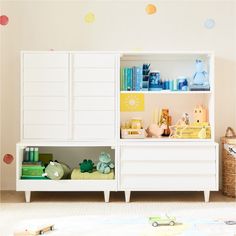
(8, 158)
(4, 20)
(151, 9)
(89, 17)
(209, 24)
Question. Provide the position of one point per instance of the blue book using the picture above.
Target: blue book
(125, 79)
(138, 71)
(129, 79)
(134, 79)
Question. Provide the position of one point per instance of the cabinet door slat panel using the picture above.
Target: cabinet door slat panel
(94, 132)
(54, 132)
(94, 117)
(94, 60)
(94, 104)
(93, 75)
(45, 117)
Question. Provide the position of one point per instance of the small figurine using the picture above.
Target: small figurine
(105, 165)
(86, 166)
(200, 79)
(184, 120)
(165, 118)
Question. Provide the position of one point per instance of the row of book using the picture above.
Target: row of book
(131, 79)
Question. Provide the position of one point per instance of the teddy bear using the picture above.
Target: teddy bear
(105, 165)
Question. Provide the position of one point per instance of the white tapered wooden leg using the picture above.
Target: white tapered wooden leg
(127, 196)
(27, 196)
(206, 196)
(106, 196)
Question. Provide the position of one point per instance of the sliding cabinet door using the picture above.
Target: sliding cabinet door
(94, 96)
(45, 98)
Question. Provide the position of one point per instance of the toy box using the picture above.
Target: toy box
(132, 133)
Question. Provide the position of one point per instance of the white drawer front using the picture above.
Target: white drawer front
(94, 60)
(56, 132)
(45, 103)
(90, 132)
(168, 182)
(94, 103)
(94, 89)
(42, 89)
(94, 75)
(168, 168)
(46, 60)
(94, 117)
(45, 74)
(182, 152)
(45, 117)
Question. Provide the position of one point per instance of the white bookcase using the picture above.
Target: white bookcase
(72, 100)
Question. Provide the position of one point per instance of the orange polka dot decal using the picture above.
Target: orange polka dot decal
(8, 158)
(151, 9)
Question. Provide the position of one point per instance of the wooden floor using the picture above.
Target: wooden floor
(18, 197)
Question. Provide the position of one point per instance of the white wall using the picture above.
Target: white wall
(124, 25)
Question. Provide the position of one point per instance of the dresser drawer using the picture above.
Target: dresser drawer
(168, 167)
(167, 183)
(94, 60)
(169, 152)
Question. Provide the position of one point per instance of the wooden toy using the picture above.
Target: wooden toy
(133, 133)
(165, 118)
(38, 231)
(200, 114)
(133, 129)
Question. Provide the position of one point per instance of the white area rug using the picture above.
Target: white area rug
(197, 219)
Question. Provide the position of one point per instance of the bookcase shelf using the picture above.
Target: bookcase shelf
(85, 87)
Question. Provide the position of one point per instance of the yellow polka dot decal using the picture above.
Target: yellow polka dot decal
(89, 17)
(151, 9)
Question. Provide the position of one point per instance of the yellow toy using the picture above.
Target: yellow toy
(200, 127)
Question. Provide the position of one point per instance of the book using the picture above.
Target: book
(125, 79)
(129, 79)
(122, 79)
(138, 74)
(134, 79)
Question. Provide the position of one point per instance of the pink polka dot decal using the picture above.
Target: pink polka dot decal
(4, 20)
(8, 158)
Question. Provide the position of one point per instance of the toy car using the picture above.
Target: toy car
(159, 220)
(38, 231)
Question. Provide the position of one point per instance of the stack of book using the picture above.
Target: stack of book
(32, 170)
(131, 79)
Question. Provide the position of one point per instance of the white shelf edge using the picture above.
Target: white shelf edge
(168, 92)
